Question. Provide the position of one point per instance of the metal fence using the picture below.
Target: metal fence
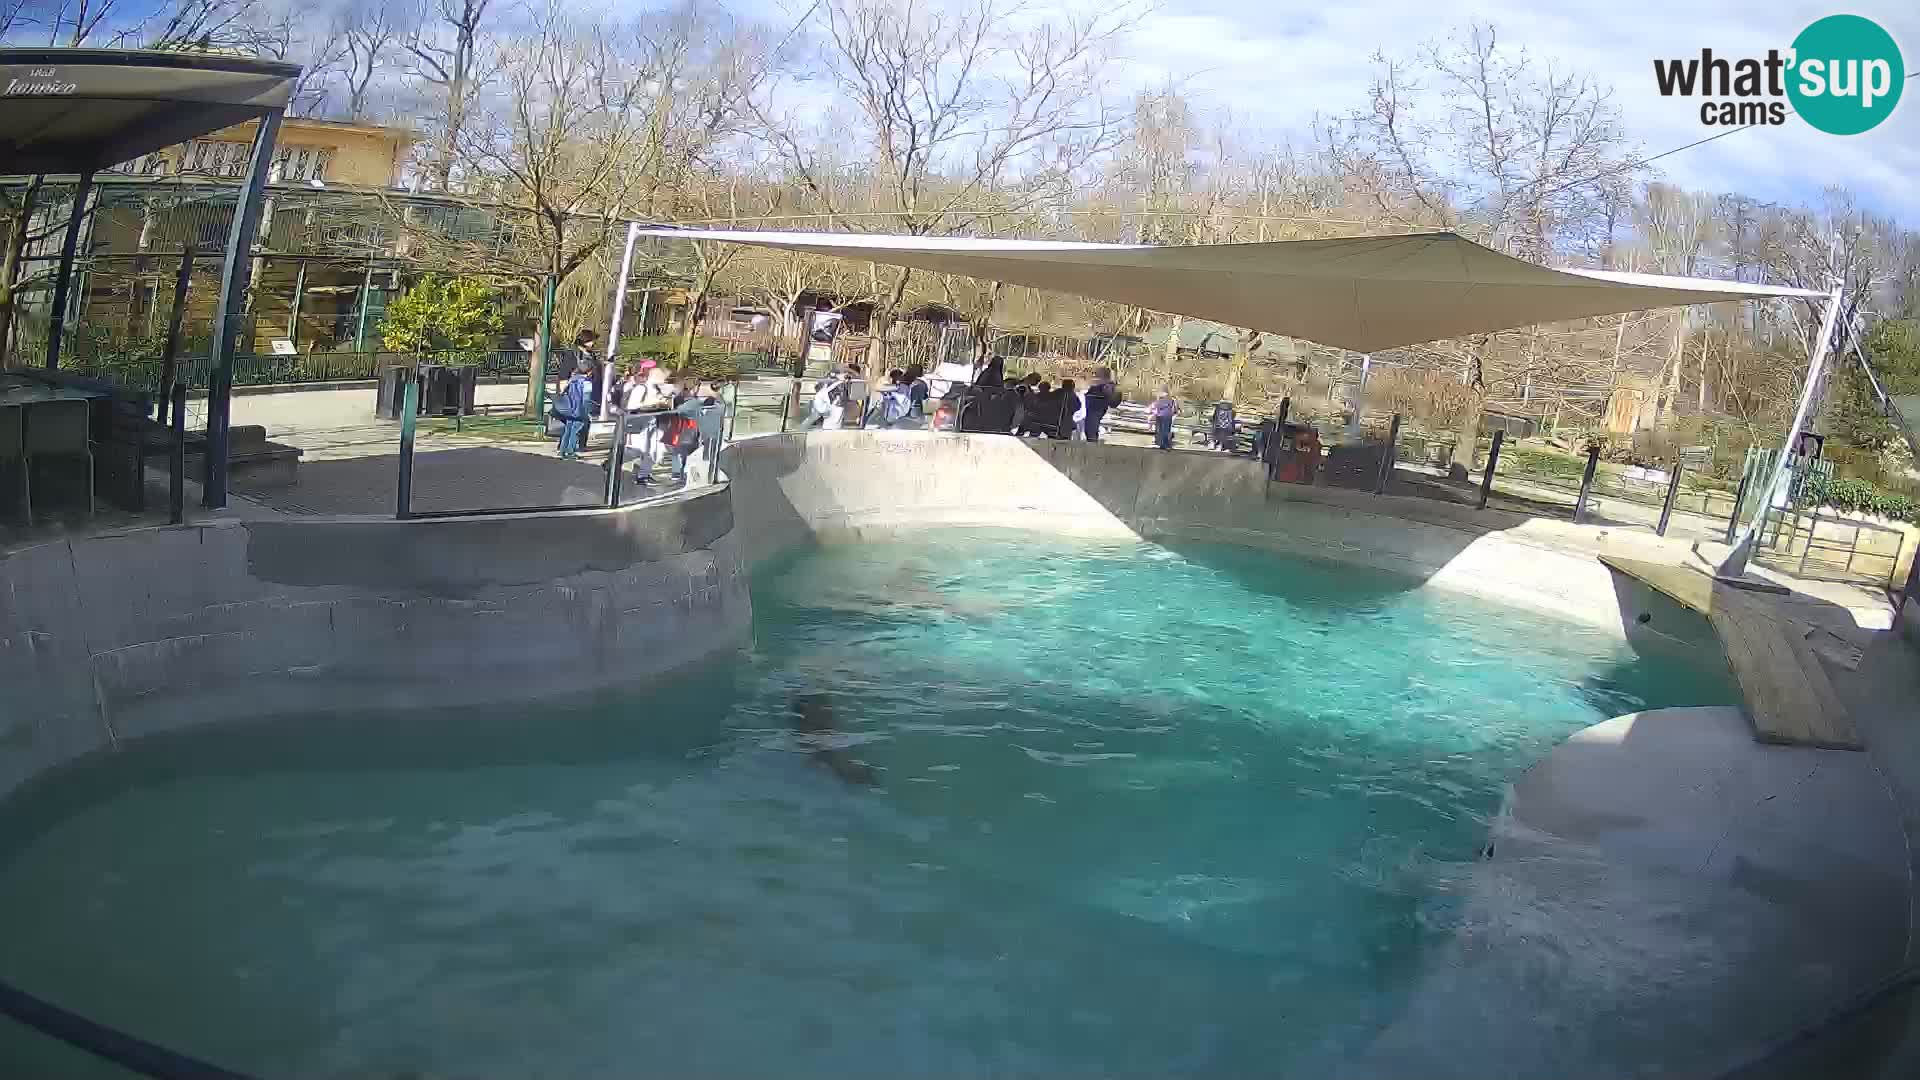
(411, 461)
(1822, 547)
(142, 373)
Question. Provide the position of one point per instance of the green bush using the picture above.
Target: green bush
(1548, 463)
(1853, 495)
(458, 317)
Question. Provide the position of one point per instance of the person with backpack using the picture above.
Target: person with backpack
(892, 401)
(1102, 395)
(829, 399)
(1224, 425)
(918, 390)
(715, 400)
(682, 426)
(573, 409)
(646, 399)
(1162, 413)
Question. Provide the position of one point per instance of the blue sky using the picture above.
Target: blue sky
(1274, 66)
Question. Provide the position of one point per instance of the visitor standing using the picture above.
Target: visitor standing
(839, 396)
(683, 428)
(1072, 411)
(585, 351)
(571, 407)
(1162, 412)
(994, 374)
(710, 424)
(1100, 396)
(918, 390)
(1225, 424)
(646, 400)
(825, 392)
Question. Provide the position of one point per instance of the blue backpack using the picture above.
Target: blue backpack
(898, 403)
(572, 402)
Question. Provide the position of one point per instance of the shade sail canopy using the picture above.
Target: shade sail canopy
(1365, 293)
(82, 110)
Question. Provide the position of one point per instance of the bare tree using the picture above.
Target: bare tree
(963, 107)
(1520, 155)
(780, 280)
(449, 52)
(591, 119)
(286, 30)
(369, 32)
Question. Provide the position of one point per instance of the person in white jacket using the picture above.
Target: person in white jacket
(647, 398)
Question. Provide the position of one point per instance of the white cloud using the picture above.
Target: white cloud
(1276, 70)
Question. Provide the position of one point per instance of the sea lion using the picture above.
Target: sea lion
(813, 719)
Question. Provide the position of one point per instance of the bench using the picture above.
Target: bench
(251, 457)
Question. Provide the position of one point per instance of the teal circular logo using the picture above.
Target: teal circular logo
(1846, 74)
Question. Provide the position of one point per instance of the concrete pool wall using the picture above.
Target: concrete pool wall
(113, 637)
(792, 490)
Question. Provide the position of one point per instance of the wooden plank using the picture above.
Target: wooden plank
(1690, 588)
(1788, 695)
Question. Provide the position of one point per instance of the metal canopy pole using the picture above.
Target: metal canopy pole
(620, 290)
(169, 360)
(366, 301)
(613, 331)
(299, 294)
(1737, 559)
(63, 277)
(234, 272)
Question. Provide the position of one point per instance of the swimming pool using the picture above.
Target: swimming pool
(1063, 808)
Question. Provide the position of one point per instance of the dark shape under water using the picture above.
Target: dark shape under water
(813, 718)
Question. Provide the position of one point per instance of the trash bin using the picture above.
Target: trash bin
(387, 399)
(446, 390)
(466, 384)
(436, 396)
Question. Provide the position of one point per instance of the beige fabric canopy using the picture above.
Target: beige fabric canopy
(1364, 293)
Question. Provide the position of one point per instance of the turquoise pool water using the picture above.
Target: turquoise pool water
(1065, 809)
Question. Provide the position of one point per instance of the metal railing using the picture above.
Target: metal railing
(1830, 548)
(145, 374)
(744, 415)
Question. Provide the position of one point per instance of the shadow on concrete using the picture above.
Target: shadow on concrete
(1702, 896)
(465, 478)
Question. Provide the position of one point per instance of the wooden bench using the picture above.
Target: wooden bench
(1788, 696)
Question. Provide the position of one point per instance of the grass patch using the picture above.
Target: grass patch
(506, 428)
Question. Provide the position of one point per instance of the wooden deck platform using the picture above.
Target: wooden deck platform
(1789, 698)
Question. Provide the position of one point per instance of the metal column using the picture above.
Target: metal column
(366, 302)
(1775, 485)
(1493, 462)
(170, 360)
(227, 321)
(620, 290)
(1387, 457)
(1586, 483)
(63, 277)
(299, 294)
(619, 308)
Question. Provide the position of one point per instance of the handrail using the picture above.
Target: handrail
(109, 1044)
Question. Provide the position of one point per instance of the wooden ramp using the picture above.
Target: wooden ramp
(1788, 695)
